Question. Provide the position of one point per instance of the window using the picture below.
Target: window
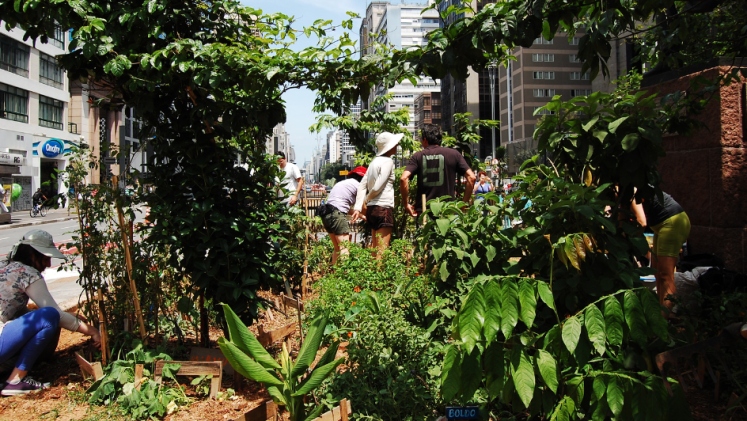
(430, 20)
(579, 76)
(543, 41)
(543, 75)
(14, 103)
(539, 58)
(580, 92)
(574, 41)
(58, 39)
(573, 58)
(14, 56)
(50, 73)
(543, 112)
(50, 113)
(541, 93)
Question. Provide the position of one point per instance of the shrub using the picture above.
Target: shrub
(360, 272)
(393, 369)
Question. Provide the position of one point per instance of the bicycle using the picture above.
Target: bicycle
(38, 210)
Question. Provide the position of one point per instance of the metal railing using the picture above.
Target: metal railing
(72, 128)
(51, 124)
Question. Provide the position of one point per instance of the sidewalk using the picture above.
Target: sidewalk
(23, 219)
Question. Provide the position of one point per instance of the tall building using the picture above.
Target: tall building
(546, 69)
(347, 150)
(35, 130)
(427, 111)
(471, 95)
(280, 142)
(334, 144)
(401, 26)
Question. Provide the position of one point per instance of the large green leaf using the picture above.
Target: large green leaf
(635, 320)
(317, 377)
(307, 353)
(443, 225)
(471, 374)
(548, 369)
(492, 323)
(613, 319)
(471, 317)
(571, 253)
(615, 395)
(528, 302)
(509, 305)
(571, 333)
(600, 387)
(329, 354)
(245, 340)
(594, 321)
(495, 367)
(564, 411)
(444, 271)
(245, 365)
(523, 374)
(545, 294)
(451, 374)
(652, 311)
(615, 124)
(276, 396)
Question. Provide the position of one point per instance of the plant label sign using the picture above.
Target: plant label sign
(462, 413)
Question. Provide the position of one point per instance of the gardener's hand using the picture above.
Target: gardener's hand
(96, 337)
(293, 200)
(356, 216)
(411, 210)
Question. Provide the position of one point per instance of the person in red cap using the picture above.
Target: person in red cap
(338, 206)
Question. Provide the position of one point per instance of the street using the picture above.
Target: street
(62, 284)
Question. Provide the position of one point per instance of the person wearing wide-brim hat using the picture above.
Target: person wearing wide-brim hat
(376, 191)
(25, 336)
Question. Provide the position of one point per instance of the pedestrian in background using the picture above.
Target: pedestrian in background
(339, 205)
(376, 192)
(293, 181)
(483, 186)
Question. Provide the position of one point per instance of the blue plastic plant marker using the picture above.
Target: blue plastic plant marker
(462, 413)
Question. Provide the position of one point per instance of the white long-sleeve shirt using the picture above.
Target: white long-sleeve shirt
(377, 186)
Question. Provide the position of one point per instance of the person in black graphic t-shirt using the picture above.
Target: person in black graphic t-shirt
(437, 169)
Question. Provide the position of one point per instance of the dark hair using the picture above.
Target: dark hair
(281, 154)
(28, 256)
(355, 176)
(431, 133)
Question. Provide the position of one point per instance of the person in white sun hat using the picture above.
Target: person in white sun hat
(24, 335)
(376, 191)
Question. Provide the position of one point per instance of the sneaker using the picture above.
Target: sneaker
(26, 385)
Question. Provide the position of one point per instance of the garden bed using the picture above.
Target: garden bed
(67, 399)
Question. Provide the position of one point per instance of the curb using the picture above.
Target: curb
(40, 222)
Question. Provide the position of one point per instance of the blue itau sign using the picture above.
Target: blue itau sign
(462, 413)
(52, 148)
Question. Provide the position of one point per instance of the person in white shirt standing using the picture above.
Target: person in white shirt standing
(376, 191)
(292, 180)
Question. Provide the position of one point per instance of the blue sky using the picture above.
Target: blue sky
(300, 101)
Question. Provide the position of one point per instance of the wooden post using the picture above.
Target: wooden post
(425, 216)
(87, 368)
(138, 375)
(102, 328)
(128, 262)
(204, 328)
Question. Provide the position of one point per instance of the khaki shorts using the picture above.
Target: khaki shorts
(336, 223)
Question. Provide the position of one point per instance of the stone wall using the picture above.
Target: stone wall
(707, 172)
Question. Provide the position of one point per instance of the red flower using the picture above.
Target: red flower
(417, 274)
(353, 304)
(357, 289)
(350, 334)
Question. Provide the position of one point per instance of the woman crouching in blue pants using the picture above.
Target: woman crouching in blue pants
(26, 335)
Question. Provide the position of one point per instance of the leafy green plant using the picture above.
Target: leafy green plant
(152, 399)
(288, 382)
(392, 369)
(606, 348)
(360, 272)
